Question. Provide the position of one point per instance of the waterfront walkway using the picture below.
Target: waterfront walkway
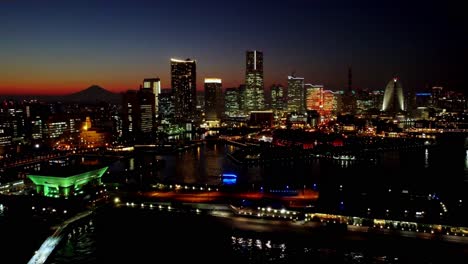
(49, 245)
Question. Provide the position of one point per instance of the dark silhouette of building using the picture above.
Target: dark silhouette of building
(138, 120)
(278, 97)
(213, 99)
(166, 106)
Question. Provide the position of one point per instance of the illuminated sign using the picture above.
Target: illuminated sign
(229, 179)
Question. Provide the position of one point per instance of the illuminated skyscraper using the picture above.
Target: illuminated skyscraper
(231, 102)
(295, 94)
(184, 85)
(213, 99)
(329, 103)
(254, 97)
(166, 106)
(138, 114)
(314, 97)
(393, 97)
(153, 84)
(278, 102)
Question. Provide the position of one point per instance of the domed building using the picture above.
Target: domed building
(393, 98)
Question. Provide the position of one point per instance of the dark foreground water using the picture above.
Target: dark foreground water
(134, 237)
(137, 236)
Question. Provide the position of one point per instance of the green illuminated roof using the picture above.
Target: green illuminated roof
(74, 180)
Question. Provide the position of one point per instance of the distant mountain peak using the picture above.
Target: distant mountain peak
(92, 94)
(94, 87)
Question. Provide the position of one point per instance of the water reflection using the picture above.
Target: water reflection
(426, 158)
(466, 164)
(205, 163)
(132, 164)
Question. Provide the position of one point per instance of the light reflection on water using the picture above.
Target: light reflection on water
(77, 249)
(265, 250)
(466, 160)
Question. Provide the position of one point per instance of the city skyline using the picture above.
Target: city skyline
(59, 48)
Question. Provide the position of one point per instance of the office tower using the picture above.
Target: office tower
(153, 84)
(184, 85)
(393, 97)
(213, 99)
(330, 103)
(295, 94)
(231, 102)
(254, 97)
(166, 106)
(138, 113)
(278, 102)
(314, 97)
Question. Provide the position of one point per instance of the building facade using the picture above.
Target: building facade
(254, 97)
(231, 102)
(313, 97)
(213, 99)
(393, 98)
(295, 94)
(184, 85)
(153, 84)
(278, 101)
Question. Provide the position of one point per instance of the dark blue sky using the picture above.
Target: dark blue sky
(65, 46)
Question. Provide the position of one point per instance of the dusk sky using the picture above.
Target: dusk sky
(59, 47)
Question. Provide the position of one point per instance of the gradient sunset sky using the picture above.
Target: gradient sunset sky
(59, 47)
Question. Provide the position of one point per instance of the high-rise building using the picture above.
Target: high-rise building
(166, 106)
(254, 97)
(393, 97)
(330, 103)
(295, 94)
(213, 99)
(138, 113)
(278, 102)
(153, 84)
(231, 102)
(184, 87)
(314, 97)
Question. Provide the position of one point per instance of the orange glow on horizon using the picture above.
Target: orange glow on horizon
(55, 89)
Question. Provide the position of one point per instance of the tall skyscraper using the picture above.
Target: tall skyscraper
(393, 97)
(254, 97)
(314, 97)
(278, 101)
(231, 102)
(184, 86)
(138, 114)
(213, 99)
(166, 106)
(329, 103)
(153, 84)
(295, 94)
